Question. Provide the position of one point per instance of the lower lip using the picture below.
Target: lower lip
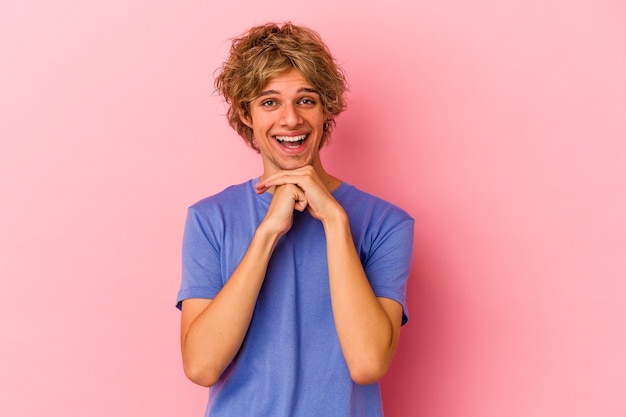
(293, 148)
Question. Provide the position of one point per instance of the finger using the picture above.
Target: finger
(299, 198)
(298, 180)
(300, 204)
(291, 176)
(260, 188)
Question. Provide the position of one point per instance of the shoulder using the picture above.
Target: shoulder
(359, 203)
(227, 198)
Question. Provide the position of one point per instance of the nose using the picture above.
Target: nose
(289, 116)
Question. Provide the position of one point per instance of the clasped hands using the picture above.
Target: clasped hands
(297, 189)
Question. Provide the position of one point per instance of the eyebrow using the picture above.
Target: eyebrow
(300, 90)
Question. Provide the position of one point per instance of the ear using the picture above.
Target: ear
(245, 118)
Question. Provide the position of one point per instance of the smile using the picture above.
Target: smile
(291, 141)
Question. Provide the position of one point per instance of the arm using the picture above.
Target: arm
(368, 327)
(212, 331)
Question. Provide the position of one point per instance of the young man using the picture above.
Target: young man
(293, 288)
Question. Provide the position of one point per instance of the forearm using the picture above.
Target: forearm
(366, 329)
(212, 338)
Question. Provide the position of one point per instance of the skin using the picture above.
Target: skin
(368, 327)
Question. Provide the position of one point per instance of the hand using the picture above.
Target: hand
(286, 199)
(313, 194)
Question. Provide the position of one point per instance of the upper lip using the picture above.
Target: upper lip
(291, 137)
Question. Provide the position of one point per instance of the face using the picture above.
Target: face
(288, 123)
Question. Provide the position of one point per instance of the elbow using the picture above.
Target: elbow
(368, 366)
(201, 375)
(368, 372)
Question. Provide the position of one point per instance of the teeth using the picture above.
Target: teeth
(291, 138)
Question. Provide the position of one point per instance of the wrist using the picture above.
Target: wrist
(336, 220)
(267, 233)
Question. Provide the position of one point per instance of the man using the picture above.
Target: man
(293, 289)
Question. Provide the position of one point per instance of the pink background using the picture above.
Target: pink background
(499, 124)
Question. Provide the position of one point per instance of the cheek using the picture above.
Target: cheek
(260, 121)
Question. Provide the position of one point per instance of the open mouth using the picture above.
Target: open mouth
(291, 142)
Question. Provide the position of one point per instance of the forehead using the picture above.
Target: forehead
(286, 82)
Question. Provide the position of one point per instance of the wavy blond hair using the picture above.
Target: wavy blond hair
(267, 51)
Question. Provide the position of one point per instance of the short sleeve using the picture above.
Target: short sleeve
(388, 263)
(201, 276)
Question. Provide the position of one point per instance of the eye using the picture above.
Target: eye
(268, 103)
(307, 101)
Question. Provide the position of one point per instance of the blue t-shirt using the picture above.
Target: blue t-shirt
(290, 363)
